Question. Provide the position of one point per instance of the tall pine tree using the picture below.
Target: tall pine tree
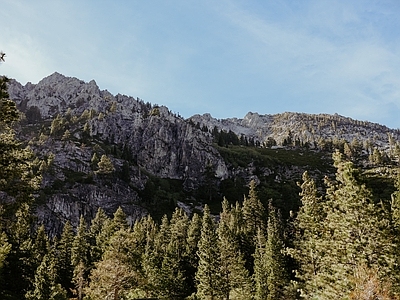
(208, 276)
(309, 226)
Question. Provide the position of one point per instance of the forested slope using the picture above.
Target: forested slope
(90, 194)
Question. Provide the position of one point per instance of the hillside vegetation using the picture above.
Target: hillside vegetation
(108, 196)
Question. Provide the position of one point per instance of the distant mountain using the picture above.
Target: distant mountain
(306, 128)
(100, 150)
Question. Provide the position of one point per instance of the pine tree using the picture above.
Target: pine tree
(113, 277)
(21, 263)
(17, 177)
(253, 212)
(96, 237)
(80, 279)
(277, 277)
(171, 279)
(44, 284)
(308, 230)
(165, 264)
(191, 257)
(63, 257)
(353, 236)
(18, 181)
(105, 165)
(155, 252)
(5, 248)
(80, 245)
(234, 276)
(208, 275)
(143, 235)
(150, 267)
(178, 227)
(176, 260)
(260, 275)
(395, 233)
(119, 220)
(80, 257)
(41, 245)
(253, 218)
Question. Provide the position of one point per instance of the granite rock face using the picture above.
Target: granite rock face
(68, 121)
(98, 150)
(310, 128)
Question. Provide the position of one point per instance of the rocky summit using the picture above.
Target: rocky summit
(96, 150)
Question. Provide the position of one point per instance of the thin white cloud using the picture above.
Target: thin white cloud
(311, 56)
(330, 50)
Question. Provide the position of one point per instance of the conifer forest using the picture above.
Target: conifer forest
(340, 240)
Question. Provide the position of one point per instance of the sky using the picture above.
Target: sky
(223, 57)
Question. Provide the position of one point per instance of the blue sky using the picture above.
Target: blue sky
(224, 57)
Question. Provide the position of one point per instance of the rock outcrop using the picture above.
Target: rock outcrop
(97, 150)
(70, 120)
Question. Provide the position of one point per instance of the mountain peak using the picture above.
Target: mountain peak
(53, 77)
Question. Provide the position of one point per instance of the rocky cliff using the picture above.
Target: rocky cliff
(68, 122)
(307, 128)
(99, 150)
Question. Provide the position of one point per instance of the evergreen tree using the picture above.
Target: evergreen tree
(114, 277)
(308, 230)
(150, 267)
(118, 222)
(171, 279)
(63, 257)
(277, 277)
(162, 238)
(17, 177)
(57, 126)
(105, 165)
(44, 284)
(80, 279)
(208, 275)
(96, 237)
(80, 257)
(353, 236)
(5, 248)
(192, 259)
(234, 276)
(41, 245)
(260, 275)
(395, 226)
(94, 161)
(143, 237)
(254, 218)
(253, 212)
(156, 250)
(167, 263)
(19, 270)
(178, 227)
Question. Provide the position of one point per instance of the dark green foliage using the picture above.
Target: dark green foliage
(44, 283)
(80, 257)
(240, 256)
(235, 279)
(341, 233)
(160, 195)
(97, 237)
(208, 191)
(20, 263)
(208, 276)
(275, 262)
(63, 249)
(341, 241)
(191, 257)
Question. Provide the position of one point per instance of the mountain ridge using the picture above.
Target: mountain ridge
(250, 121)
(160, 159)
